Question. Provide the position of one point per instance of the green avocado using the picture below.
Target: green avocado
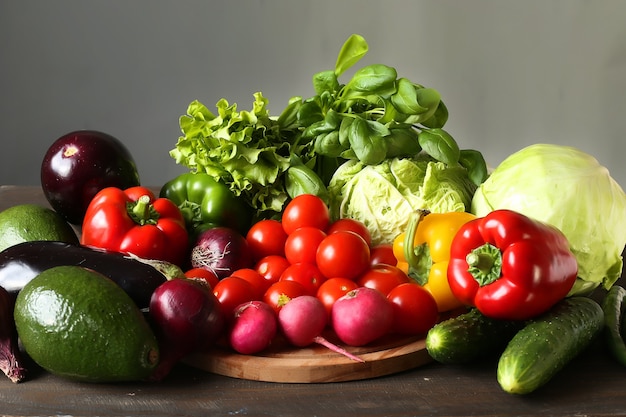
(77, 323)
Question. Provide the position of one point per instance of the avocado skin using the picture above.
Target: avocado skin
(76, 323)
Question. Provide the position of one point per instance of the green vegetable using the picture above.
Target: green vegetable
(376, 115)
(569, 189)
(205, 203)
(383, 196)
(469, 336)
(614, 307)
(546, 344)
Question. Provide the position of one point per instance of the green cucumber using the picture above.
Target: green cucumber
(468, 337)
(614, 306)
(547, 343)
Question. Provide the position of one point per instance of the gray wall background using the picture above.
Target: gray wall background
(512, 73)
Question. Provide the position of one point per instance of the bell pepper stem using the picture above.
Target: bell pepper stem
(485, 264)
(142, 211)
(410, 254)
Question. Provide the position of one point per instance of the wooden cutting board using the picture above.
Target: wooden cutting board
(316, 364)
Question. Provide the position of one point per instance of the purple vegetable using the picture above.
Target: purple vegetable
(221, 250)
(10, 355)
(187, 318)
(253, 328)
(81, 163)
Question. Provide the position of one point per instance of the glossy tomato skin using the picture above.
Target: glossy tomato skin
(383, 278)
(231, 292)
(332, 289)
(305, 210)
(343, 254)
(201, 273)
(306, 274)
(382, 254)
(271, 267)
(301, 244)
(414, 309)
(351, 225)
(282, 291)
(266, 237)
(256, 280)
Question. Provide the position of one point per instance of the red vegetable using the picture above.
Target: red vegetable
(509, 266)
(302, 320)
(254, 327)
(134, 221)
(362, 316)
(187, 318)
(222, 250)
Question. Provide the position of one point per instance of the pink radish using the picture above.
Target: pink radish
(302, 320)
(187, 317)
(253, 327)
(362, 316)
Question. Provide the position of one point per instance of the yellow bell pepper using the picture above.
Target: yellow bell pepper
(426, 259)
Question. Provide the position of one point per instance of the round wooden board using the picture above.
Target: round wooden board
(316, 364)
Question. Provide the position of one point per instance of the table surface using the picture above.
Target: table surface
(592, 384)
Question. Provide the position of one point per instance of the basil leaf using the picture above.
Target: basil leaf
(439, 118)
(402, 142)
(440, 145)
(377, 79)
(351, 52)
(328, 144)
(366, 140)
(300, 179)
(475, 164)
(325, 81)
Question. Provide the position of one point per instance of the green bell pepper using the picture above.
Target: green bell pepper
(206, 203)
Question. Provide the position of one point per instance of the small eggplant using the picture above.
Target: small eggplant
(139, 278)
(10, 354)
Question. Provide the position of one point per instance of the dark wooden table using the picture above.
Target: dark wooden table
(592, 384)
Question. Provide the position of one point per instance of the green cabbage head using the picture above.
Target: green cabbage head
(569, 189)
(383, 196)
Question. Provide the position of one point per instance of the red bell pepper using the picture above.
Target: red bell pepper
(509, 266)
(133, 221)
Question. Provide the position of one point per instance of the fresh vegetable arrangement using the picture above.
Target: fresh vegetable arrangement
(350, 219)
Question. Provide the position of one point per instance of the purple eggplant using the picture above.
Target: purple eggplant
(81, 163)
(22, 262)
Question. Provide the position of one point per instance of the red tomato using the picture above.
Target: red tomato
(258, 281)
(232, 291)
(205, 274)
(271, 267)
(383, 278)
(301, 244)
(266, 237)
(343, 254)
(351, 225)
(279, 293)
(305, 210)
(333, 289)
(306, 274)
(414, 309)
(382, 254)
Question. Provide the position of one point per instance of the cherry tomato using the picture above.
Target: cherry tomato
(258, 281)
(301, 244)
(438, 286)
(205, 274)
(279, 293)
(333, 289)
(232, 291)
(271, 267)
(266, 237)
(351, 225)
(382, 254)
(414, 309)
(306, 274)
(383, 278)
(305, 210)
(343, 254)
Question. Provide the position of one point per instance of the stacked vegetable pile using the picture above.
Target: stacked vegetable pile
(351, 216)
